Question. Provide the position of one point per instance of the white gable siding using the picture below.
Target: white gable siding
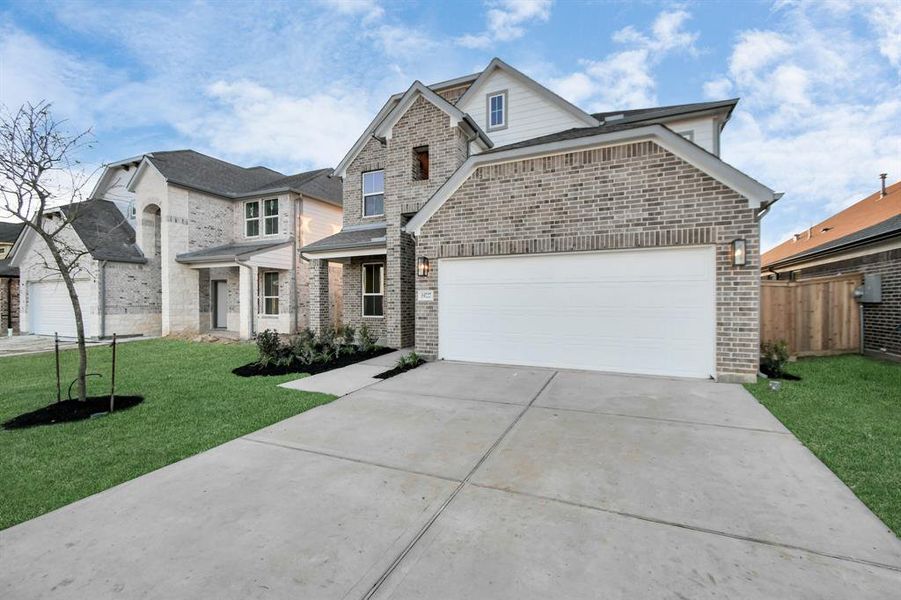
(529, 114)
(117, 192)
(318, 220)
(704, 132)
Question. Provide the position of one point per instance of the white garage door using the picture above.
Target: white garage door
(50, 310)
(641, 311)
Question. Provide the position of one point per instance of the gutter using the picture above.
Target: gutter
(834, 250)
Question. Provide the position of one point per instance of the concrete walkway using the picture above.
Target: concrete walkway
(472, 481)
(343, 381)
(19, 345)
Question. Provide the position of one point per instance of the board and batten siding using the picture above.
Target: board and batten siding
(529, 114)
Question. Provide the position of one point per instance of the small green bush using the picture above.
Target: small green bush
(367, 339)
(269, 347)
(773, 357)
(409, 361)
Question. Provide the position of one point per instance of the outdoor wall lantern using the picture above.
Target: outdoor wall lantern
(739, 253)
(422, 266)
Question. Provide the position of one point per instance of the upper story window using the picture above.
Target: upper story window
(270, 216)
(373, 193)
(420, 163)
(252, 219)
(497, 110)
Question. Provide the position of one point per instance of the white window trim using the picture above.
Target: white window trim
(263, 217)
(363, 289)
(688, 134)
(504, 113)
(258, 219)
(264, 297)
(364, 194)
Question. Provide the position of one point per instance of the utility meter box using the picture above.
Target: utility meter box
(871, 290)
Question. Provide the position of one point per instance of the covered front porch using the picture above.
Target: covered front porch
(244, 288)
(362, 253)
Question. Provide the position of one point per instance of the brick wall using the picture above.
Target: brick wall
(422, 125)
(9, 305)
(628, 196)
(881, 321)
(352, 284)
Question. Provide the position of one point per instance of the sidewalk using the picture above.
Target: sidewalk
(351, 378)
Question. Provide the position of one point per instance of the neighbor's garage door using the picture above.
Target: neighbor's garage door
(50, 310)
(641, 311)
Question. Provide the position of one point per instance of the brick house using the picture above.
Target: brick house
(9, 280)
(182, 243)
(488, 219)
(863, 239)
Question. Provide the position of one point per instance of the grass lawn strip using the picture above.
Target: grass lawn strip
(192, 402)
(847, 410)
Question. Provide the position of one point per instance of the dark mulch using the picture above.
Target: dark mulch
(71, 410)
(784, 376)
(399, 370)
(255, 369)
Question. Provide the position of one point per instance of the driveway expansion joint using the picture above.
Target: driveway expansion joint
(400, 557)
(734, 536)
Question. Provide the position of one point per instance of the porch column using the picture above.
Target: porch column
(246, 301)
(319, 296)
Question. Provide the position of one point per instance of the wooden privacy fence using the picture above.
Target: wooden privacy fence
(816, 317)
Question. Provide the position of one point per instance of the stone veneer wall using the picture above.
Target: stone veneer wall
(9, 299)
(881, 322)
(628, 196)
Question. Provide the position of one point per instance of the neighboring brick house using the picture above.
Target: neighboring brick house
(864, 239)
(215, 248)
(488, 219)
(9, 280)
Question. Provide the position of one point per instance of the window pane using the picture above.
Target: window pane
(374, 182)
(372, 306)
(271, 306)
(271, 225)
(253, 228)
(270, 284)
(372, 280)
(374, 205)
(252, 210)
(271, 207)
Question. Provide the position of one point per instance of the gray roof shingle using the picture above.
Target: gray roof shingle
(349, 239)
(10, 231)
(228, 252)
(104, 231)
(661, 112)
(7, 271)
(205, 173)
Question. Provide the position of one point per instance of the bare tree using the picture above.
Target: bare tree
(39, 171)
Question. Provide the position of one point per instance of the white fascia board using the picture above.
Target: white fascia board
(145, 164)
(542, 91)
(754, 191)
(341, 169)
(332, 254)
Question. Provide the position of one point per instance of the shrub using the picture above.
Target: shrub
(366, 339)
(269, 347)
(347, 335)
(304, 347)
(773, 356)
(409, 361)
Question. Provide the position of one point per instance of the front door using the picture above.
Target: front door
(220, 304)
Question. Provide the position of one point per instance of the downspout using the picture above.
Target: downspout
(102, 282)
(251, 300)
(295, 297)
(9, 306)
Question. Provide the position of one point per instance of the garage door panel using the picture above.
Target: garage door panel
(50, 309)
(636, 312)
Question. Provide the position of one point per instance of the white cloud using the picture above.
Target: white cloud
(819, 116)
(507, 21)
(370, 9)
(885, 18)
(253, 123)
(624, 79)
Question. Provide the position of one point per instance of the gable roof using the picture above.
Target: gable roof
(859, 221)
(9, 232)
(498, 64)
(398, 104)
(104, 231)
(191, 169)
(758, 195)
(229, 252)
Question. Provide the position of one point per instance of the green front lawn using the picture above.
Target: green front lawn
(192, 402)
(847, 410)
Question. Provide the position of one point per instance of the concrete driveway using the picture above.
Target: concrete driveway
(472, 481)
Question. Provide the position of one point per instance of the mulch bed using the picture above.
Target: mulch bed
(398, 370)
(784, 376)
(71, 410)
(254, 369)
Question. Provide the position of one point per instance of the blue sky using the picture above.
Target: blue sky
(292, 84)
